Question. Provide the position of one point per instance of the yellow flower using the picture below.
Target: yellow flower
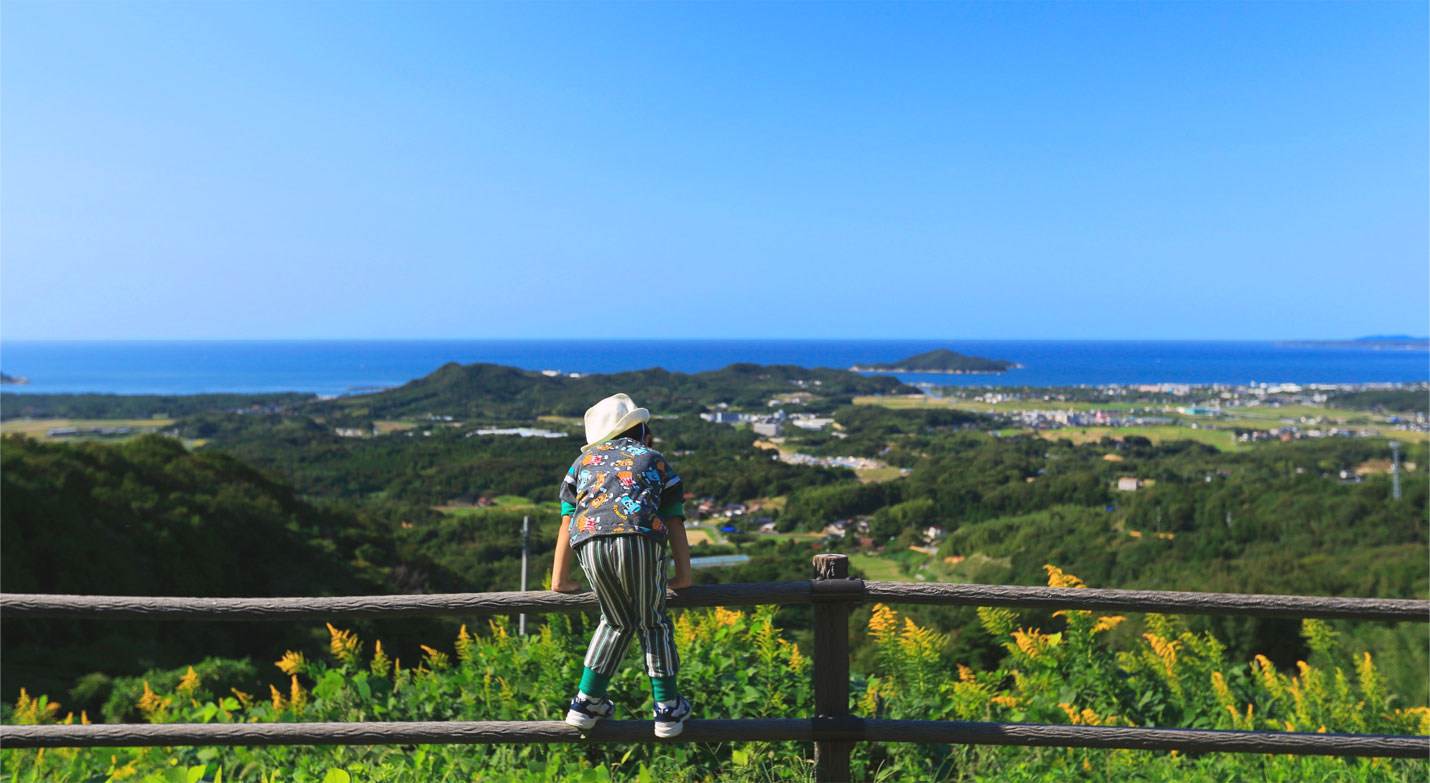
(882, 624)
(1031, 641)
(918, 641)
(297, 698)
(291, 663)
(29, 710)
(1369, 679)
(796, 661)
(684, 630)
(244, 699)
(84, 717)
(277, 698)
(1424, 718)
(1107, 623)
(498, 628)
(152, 705)
(1166, 650)
(436, 658)
(380, 661)
(1223, 693)
(465, 646)
(964, 673)
(869, 702)
(189, 683)
(1004, 700)
(1268, 677)
(725, 616)
(344, 645)
(1057, 578)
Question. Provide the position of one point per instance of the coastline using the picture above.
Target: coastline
(861, 368)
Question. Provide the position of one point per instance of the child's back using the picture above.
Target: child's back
(623, 515)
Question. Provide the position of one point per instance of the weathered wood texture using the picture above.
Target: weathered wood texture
(394, 733)
(37, 605)
(788, 729)
(1185, 740)
(110, 607)
(831, 661)
(1149, 601)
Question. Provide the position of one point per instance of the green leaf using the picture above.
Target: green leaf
(196, 773)
(360, 683)
(336, 775)
(643, 774)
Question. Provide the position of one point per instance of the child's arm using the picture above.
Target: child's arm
(679, 552)
(561, 565)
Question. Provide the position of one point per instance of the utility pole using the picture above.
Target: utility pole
(1395, 469)
(525, 540)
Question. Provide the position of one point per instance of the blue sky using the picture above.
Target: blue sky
(309, 170)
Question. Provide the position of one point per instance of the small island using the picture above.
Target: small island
(9, 379)
(941, 360)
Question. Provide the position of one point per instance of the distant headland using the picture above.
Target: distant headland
(941, 360)
(9, 379)
(1380, 342)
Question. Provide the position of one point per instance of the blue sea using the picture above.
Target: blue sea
(348, 366)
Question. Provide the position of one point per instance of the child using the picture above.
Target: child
(621, 502)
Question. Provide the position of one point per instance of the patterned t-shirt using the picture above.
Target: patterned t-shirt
(620, 487)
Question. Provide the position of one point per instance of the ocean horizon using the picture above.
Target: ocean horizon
(351, 366)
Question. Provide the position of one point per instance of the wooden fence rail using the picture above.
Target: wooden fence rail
(122, 607)
(124, 735)
(833, 730)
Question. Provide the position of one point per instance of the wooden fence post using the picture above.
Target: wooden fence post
(831, 671)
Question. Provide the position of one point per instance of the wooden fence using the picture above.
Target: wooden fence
(833, 730)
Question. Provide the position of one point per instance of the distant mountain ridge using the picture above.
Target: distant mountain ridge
(940, 360)
(493, 391)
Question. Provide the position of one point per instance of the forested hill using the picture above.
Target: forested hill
(492, 391)
(149, 518)
(942, 360)
(489, 391)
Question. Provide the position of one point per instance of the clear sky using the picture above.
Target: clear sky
(1071, 170)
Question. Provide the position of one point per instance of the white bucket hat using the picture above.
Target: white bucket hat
(612, 416)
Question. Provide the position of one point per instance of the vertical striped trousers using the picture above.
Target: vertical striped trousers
(628, 574)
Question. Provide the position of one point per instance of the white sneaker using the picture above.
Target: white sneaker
(670, 721)
(584, 713)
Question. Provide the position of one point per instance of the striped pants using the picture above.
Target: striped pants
(628, 574)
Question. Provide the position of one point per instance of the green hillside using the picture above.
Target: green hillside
(150, 518)
(941, 360)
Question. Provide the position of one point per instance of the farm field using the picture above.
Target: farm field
(878, 568)
(1224, 440)
(40, 428)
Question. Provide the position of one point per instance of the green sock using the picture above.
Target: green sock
(593, 683)
(664, 688)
